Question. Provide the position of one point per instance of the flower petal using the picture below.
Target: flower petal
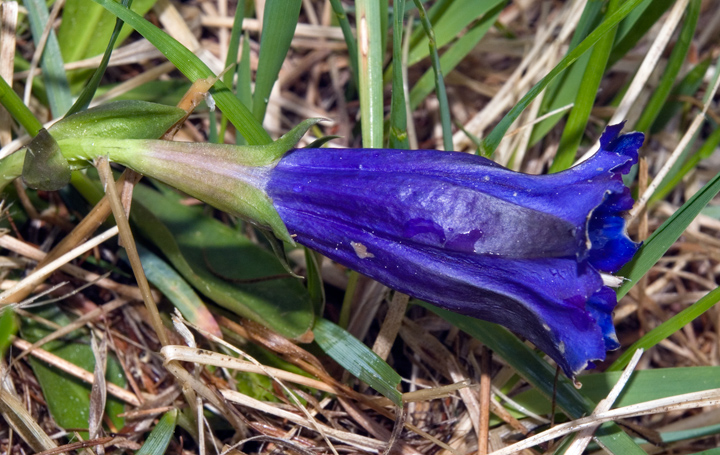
(542, 299)
(466, 234)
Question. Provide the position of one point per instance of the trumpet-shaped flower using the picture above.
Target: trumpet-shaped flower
(457, 230)
(471, 236)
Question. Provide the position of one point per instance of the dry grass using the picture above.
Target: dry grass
(343, 416)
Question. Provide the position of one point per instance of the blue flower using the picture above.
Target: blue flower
(453, 229)
(473, 237)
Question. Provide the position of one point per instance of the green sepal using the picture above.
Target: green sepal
(45, 167)
(274, 151)
(278, 248)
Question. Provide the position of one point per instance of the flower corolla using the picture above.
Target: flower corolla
(468, 235)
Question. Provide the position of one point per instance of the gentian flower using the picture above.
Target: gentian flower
(468, 235)
(456, 230)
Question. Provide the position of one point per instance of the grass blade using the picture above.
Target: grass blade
(455, 17)
(636, 25)
(279, 21)
(455, 54)
(12, 102)
(159, 439)
(8, 329)
(585, 99)
(177, 290)
(88, 92)
(339, 11)
(56, 83)
(663, 238)
(439, 81)
(561, 91)
(232, 57)
(398, 135)
(86, 28)
(370, 77)
(357, 359)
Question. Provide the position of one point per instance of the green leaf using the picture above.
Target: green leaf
(159, 438)
(12, 102)
(119, 120)
(585, 99)
(177, 290)
(232, 59)
(86, 28)
(11, 168)
(315, 285)
(193, 68)
(244, 85)
(449, 25)
(88, 92)
(562, 90)
(663, 238)
(440, 91)
(56, 83)
(211, 255)
(342, 19)
(279, 21)
(8, 329)
(67, 397)
(398, 137)
(455, 54)
(636, 25)
(357, 359)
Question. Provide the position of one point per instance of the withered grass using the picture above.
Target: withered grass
(322, 410)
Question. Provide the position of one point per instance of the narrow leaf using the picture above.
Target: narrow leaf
(159, 438)
(663, 238)
(279, 21)
(56, 83)
(357, 359)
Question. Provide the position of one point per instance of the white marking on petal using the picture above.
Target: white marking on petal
(361, 250)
